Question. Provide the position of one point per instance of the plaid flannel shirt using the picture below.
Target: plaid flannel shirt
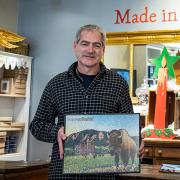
(65, 94)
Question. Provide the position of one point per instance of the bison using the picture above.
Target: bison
(123, 146)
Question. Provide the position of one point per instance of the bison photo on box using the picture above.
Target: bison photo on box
(102, 143)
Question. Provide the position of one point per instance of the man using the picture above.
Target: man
(87, 87)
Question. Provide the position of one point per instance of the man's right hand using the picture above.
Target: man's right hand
(60, 138)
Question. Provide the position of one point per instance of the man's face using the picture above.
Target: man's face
(89, 50)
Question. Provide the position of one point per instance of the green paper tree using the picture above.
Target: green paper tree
(170, 60)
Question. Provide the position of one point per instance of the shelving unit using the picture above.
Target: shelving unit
(151, 53)
(16, 106)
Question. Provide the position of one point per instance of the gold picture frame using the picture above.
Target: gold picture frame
(139, 38)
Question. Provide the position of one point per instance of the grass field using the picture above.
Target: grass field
(88, 164)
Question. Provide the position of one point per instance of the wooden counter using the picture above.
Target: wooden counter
(36, 170)
(39, 171)
(148, 172)
(162, 150)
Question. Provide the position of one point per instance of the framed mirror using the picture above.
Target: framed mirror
(134, 50)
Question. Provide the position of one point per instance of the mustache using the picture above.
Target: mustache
(92, 55)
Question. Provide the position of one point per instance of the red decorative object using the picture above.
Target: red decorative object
(159, 133)
(160, 110)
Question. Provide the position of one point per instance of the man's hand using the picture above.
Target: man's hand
(60, 138)
(141, 150)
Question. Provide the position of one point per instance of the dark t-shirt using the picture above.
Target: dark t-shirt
(86, 79)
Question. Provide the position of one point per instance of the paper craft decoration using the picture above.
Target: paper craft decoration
(170, 60)
(160, 110)
(164, 68)
(7, 39)
(101, 143)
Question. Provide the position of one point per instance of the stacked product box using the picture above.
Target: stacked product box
(2, 142)
(11, 144)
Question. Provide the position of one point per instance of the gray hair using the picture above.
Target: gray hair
(91, 27)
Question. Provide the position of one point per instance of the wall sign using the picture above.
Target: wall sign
(145, 16)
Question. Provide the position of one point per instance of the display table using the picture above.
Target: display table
(148, 172)
(36, 170)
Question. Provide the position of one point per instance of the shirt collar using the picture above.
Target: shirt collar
(72, 69)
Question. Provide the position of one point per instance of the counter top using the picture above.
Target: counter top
(149, 172)
(21, 166)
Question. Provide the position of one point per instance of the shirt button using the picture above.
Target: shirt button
(86, 96)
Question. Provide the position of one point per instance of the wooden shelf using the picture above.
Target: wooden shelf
(10, 156)
(12, 95)
(11, 129)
